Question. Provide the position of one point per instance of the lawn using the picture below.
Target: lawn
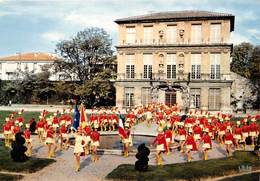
(9, 177)
(32, 165)
(187, 171)
(27, 116)
(245, 177)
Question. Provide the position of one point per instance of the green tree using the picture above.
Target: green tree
(86, 60)
(255, 74)
(246, 62)
(241, 58)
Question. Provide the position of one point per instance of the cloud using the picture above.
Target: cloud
(237, 38)
(86, 20)
(255, 33)
(53, 36)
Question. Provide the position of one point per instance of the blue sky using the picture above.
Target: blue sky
(37, 25)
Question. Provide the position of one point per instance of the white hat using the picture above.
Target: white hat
(160, 129)
(96, 126)
(40, 117)
(55, 114)
(16, 122)
(19, 113)
(253, 119)
(190, 130)
(27, 125)
(238, 122)
(49, 122)
(7, 119)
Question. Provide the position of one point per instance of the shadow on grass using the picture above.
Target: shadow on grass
(8, 177)
(187, 171)
(32, 165)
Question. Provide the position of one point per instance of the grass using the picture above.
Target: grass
(187, 171)
(9, 177)
(30, 166)
(27, 116)
(245, 177)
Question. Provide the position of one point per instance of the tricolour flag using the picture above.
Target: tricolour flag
(121, 131)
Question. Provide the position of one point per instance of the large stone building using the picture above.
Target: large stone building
(175, 57)
(32, 62)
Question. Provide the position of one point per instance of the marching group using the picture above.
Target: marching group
(192, 132)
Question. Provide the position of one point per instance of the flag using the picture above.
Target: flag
(83, 118)
(121, 131)
(76, 117)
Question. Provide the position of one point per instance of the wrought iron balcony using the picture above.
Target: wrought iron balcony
(179, 77)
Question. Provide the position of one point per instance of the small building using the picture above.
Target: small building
(22, 62)
(175, 57)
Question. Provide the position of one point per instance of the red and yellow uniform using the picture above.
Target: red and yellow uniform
(190, 143)
(95, 136)
(161, 142)
(207, 143)
(229, 138)
(27, 136)
(197, 132)
(182, 134)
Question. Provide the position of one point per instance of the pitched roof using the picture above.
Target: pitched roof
(177, 16)
(35, 57)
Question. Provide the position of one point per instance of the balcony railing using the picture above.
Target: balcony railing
(163, 76)
(165, 42)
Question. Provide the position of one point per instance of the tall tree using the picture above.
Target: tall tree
(84, 55)
(246, 62)
(241, 58)
(255, 75)
(86, 60)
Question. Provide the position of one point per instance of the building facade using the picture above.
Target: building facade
(175, 57)
(32, 62)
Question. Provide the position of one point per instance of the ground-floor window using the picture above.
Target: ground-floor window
(170, 98)
(214, 99)
(146, 96)
(195, 98)
(129, 97)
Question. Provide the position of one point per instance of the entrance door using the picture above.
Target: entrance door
(170, 98)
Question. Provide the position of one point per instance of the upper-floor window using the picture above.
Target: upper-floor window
(171, 34)
(171, 66)
(215, 66)
(148, 34)
(195, 66)
(130, 66)
(130, 35)
(196, 33)
(215, 33)
(148, 62)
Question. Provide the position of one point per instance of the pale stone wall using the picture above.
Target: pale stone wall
(183, 49)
